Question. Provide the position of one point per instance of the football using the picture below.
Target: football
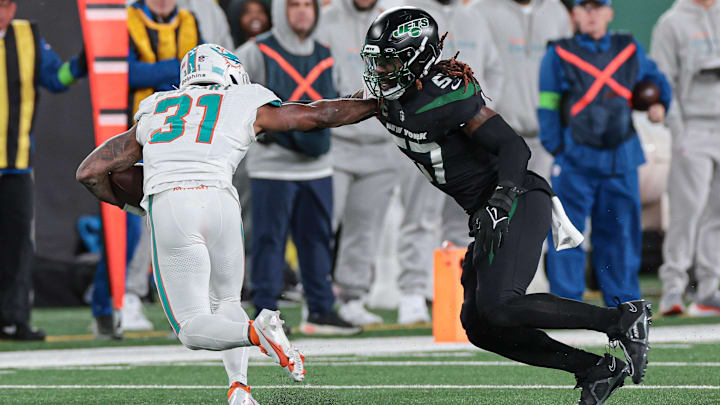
(128, 185)
(644, 95)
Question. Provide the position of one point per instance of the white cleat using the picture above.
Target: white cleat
(274, 343)
(412, 309)
(355, 313)
(133, 318)
(240, 395)
(700, 310)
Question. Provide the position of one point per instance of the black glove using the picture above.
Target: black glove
(82, 63)
(264, 138)
(490, 224)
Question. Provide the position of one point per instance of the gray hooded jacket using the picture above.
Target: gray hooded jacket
(521, 34)
(468, 33)
(273, 161)
(686, 47)
(342, 28)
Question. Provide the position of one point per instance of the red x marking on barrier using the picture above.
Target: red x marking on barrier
(304, 83)
(601, 77)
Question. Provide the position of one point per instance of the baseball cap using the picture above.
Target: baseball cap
(603, 2)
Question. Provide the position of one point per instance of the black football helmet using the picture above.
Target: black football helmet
(401, 46)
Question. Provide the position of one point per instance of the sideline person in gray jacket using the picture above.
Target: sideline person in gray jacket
(686, 46)
(426, 210)
(363, 159)
(521, 30)
(290, 171)
(212, 21)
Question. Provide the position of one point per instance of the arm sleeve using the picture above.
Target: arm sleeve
(649, 71)
(50, 67)
(496, 137)
(161, 75)
(663, 49)
(551, 90)
(253, 61)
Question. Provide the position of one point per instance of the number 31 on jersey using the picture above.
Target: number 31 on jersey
(184, 103)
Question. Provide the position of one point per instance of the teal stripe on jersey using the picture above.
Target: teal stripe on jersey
(158, 278)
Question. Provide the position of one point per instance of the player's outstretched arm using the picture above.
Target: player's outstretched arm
(116, 154)
(319, 114)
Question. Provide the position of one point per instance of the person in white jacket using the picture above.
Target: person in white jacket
(212, 21)
(686, 46)
(425, 210)
(521, 30)
(364, 161)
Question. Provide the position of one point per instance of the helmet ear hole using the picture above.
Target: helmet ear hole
(232, 77)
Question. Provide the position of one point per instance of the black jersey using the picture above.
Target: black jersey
(427, 126)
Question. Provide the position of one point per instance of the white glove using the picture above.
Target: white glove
(134, 210)
(565, 235)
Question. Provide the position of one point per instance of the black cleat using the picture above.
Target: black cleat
(21, 332)
(601, 380)
(632, 335)
(328, 323)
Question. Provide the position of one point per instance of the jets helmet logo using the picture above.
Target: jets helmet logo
(412, 28)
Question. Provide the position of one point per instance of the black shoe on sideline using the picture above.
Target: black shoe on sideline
(107, 327)
(21, 332)
(601, 380)
(328, 323)
(632, 335)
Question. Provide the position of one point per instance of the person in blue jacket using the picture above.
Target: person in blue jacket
(586, 85)
(26, 62)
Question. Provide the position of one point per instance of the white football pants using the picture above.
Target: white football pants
(198, 265)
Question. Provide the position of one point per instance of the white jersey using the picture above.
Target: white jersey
(197, 135)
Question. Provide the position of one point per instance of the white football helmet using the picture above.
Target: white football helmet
(210, 63)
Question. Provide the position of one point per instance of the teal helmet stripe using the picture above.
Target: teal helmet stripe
(192, 61)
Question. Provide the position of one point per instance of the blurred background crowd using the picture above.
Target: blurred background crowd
(338, 220)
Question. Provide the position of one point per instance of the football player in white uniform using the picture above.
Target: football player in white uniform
(191, 140)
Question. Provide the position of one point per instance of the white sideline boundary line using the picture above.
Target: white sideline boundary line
(354, 387)
(369, 363)
(377, 346)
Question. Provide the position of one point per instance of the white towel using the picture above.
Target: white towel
(565, 235)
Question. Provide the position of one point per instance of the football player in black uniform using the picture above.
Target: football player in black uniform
(436, 114)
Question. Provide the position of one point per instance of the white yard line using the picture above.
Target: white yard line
(351, 387)
(395, 346)
(364, 363)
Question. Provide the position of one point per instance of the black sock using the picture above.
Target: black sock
(548, 311)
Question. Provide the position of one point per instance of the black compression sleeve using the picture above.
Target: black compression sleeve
(496, 137)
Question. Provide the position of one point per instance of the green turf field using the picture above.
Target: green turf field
(686, 373)
(678, 375)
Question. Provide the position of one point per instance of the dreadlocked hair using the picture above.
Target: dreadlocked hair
(455, 68)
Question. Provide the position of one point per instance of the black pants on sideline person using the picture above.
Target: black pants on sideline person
(16, 252)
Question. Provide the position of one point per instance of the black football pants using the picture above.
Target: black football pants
(16, 248)
(499, 317)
